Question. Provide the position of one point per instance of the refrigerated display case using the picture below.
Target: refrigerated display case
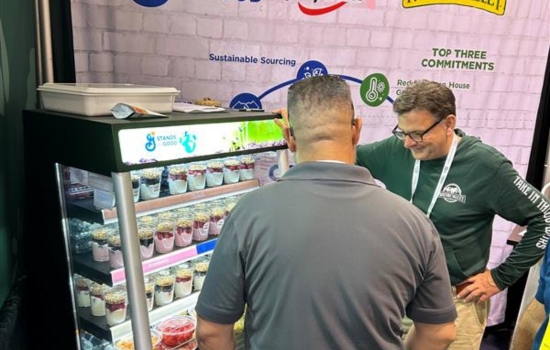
(120, 212)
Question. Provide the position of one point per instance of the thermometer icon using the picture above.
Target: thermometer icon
(372, 94)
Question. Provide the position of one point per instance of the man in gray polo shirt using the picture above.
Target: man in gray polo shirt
(324, 258)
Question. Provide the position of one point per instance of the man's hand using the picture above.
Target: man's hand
(481, 287)
(281, 123)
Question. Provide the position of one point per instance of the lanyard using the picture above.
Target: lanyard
(444, 173)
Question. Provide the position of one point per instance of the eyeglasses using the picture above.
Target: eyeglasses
(415, 136)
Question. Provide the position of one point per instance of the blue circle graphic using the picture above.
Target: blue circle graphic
(246, 100)
(311, 69)
(151, 3)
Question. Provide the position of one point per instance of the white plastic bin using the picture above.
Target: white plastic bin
(96, 99)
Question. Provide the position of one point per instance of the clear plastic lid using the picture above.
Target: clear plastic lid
(106, 88)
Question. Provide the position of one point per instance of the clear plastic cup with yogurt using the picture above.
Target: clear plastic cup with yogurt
(229, 205)
(184, 280)
(82, 286)
(164, 288)
(246, 168)
(201, 268)
(230, 171)
(97, 296)
(196, 176)
(100, 248)
(150, 183)
(217, 218)
(115, 305)
(164, 235)
(177, 179)
(115, 251)
(201, 225)
(135, 176)
(146, 235)
(214, 173)
(184, 229)
(150, 291)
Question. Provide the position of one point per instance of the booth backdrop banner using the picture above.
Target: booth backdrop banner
(245, 53)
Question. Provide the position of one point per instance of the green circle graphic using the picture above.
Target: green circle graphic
(374, 89)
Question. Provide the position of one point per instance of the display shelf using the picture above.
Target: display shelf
(84, 208)
(101, 272)
(98, 327)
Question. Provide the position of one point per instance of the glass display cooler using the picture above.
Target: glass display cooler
(121, 217)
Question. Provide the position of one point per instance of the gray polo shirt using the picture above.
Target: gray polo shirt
(326, 259)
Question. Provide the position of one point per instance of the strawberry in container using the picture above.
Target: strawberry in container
(176, 330)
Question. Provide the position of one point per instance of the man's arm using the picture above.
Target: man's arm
(515, 200)
(215, 336)
(425, 336)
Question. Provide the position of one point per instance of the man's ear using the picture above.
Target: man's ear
(289, 138)
(450, 124)
(356, 128)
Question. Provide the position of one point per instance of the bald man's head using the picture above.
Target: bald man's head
(320, 108)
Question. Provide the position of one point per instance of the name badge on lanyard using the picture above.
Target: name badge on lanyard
(442, 178)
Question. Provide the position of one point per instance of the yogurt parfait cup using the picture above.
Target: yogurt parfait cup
(164, 288)
(196, 177)
(115, 251)
(200, 274)
(201, 225)
(82, 286)
(217, 217)
(230, 171)
(150, 291)
(115, 306)
(146, 241)
(229, 205)
(184, 230)
(100, 248)
(177, 179)
(150, 183)
(246, 168)
(97, 296)
(135, 176)
(184, 280)
(147, 220)
(164, 236)
(214, 174)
